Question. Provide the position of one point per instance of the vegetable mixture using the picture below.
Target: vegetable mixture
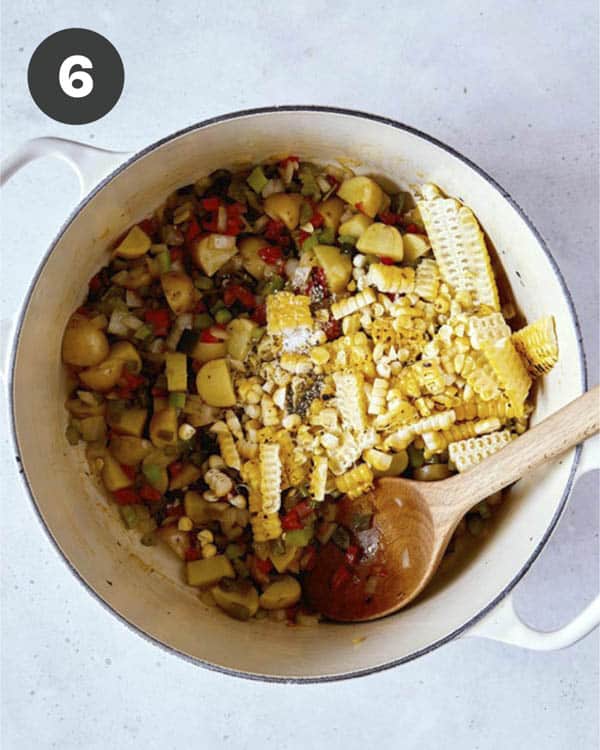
(272, 340)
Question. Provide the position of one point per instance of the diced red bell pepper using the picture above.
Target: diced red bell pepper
(174, 511)
(389, 217)
(288, 159)
(386, 260)
(270, 255)
(149, 226)
(291, 613)
(196, 365)
(317, 220)
(351, 555)
(259, 314)
(159, 392)
(159, 320)
(211, 225)
(206, 337)
(291, 521)
(359, 207)
(211, 204)
(303, 509)
(235, 209)
(333, 329)
(303, 236)
(332, 180)
(192, 554)
(309, 558)
(175, 468)
(413, 229)
(192, 231)
(275, 231)
(317, 286)
(237, 293)
(128, 470)
(126, 496)
(176, 254)
(149, 493)
(341, 576)
(234, 225)
(199, 307)
(265, 566)
(131, 381)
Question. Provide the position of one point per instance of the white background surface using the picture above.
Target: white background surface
(513, 85)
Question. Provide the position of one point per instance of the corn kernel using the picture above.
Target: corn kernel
(185, 524)
(209, 550)
(319, 355)
(205, 537)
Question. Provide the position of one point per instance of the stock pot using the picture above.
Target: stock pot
(142, 585)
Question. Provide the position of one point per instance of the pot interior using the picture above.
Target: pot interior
(143, 584)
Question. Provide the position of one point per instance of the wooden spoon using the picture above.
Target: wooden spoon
(413, 522)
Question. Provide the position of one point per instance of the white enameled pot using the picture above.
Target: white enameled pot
(143, 585)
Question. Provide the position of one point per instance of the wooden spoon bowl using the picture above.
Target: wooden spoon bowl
(389, 564)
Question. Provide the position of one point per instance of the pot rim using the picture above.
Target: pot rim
(240, 114)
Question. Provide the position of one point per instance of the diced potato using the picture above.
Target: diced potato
(178, 541)
(102, 377)
(163, 428)
(129, 450)
(251, 260)
(240, 333)
(113, 476)
(331, 211)
(196, 507)
(362, 193)
(382, 240)
(356, 225)
(135, 244)
(337, 267)
(179, 291)
(205, 351)
(207, 256)
(207, 572)
(281, 594)
(238, 598)
(92, 429)
(214, 385)
(83, 344)
(415, 245)
(284, 207)
(128, 421)
(176, 371)
(282, 560)
(126, 351)
(188, 474)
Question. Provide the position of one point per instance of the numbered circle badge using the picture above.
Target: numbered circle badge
(76, 76)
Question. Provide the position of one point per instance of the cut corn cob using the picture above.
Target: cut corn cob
(270, 477)
(391, 279)
(229, 452)
(350, 305)
(538, 346)
(459, 246)
(287, 311)
(487, 328)
(467, 453)
(377, 399)
(355, 482)
(427, 279)
(350, 399)
(499, 407)
(318, 478)
(509, 369)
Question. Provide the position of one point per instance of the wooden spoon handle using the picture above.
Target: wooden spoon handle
(556, 434)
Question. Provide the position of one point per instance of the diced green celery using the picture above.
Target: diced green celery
(309, 183)
(310, 242)
(143, 332)
(257, 180)
(153, 473)
(219, 305)
(347, 239)
(203, 283)
(129, 516)
(177, 400)
(223, 316)
(306, 212)
(299, 537)
(327, 236)
(202, 321)
(164, 262)
(233, 551)
(274, 284)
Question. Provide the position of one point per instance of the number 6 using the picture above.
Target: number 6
(66, 77)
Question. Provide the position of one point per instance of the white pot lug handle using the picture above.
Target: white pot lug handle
(89, 163)
(504, 624)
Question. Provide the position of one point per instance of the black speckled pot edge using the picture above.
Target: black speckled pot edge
(348, 113)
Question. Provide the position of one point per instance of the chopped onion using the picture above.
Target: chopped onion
(182, 322)
(132, 299)
(157, 346)
(323, 183)
(222, 219)
(116, 324)
(120, 278)
(223, 241)
(300, 277)
(260, 223)
(348, 214)
(218, 333)
(177, 265)
(273, 186)
(291, 267)
(287, 173)
(308, 228)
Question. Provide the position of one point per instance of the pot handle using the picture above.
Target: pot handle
(504, 624)
(89, 163)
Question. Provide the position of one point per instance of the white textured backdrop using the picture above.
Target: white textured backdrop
(514, 86)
